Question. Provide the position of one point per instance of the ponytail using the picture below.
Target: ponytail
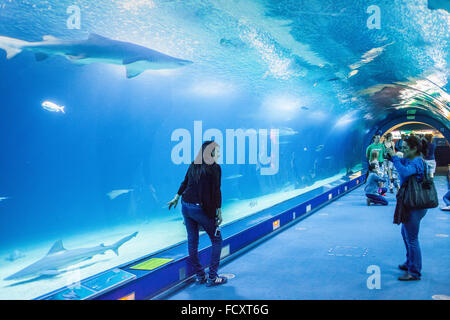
(421, 145)
(424, 147)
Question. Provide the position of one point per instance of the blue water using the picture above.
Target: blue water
(257, 64)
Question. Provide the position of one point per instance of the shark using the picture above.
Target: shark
(115, 193)
(59, 258)
(95, 48)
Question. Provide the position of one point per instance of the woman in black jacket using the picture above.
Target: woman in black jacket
(201, 206)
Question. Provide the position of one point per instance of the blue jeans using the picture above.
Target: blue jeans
(447, 198)
(410, 234)
(193, 217)
(378, 199)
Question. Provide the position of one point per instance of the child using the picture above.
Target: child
(395, 178)
(388, 165)
(374, 189)
(374, 155)
(379, 169)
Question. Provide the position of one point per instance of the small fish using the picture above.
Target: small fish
(15, 255)
(353, 72)
(334, 79)
(286, 131)
(153, 191)
(53, 107)
(3, 198)
(305, 108)
(115, 193)
(232, 43)
(235, 176)
(319, 147)
(328, 158)
(369, 56)
(253, 203)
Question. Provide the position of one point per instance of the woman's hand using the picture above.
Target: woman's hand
(173, 202)
(219, 217)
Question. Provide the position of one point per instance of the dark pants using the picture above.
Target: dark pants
(410, 234)
(378, 199)
(447, 198)
(193, 218)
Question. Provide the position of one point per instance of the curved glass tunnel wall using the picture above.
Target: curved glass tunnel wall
(104, 168)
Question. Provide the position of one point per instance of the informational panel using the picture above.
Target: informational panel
(151, 264)
(77, 292)
(92, 287)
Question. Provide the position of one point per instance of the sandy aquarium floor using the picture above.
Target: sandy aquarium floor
(151, 237)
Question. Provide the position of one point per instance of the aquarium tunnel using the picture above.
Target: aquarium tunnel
(105, 104)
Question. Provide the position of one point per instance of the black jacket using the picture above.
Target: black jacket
(206, 191)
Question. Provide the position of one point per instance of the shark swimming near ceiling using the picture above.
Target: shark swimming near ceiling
(59, 258)
(96, 48)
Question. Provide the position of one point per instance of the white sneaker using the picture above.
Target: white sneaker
(447, 208)
(441, 297)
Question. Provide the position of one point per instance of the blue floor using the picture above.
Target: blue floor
(326, 256)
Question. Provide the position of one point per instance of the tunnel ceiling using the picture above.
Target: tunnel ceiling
(326, 73)
(356, 58)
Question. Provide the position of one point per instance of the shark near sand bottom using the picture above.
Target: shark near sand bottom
(59, 258)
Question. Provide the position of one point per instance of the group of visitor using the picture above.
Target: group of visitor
(391, 165)
(382, 173)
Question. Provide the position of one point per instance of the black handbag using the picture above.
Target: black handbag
(420, 195)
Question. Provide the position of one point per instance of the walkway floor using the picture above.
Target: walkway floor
(327, 256)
